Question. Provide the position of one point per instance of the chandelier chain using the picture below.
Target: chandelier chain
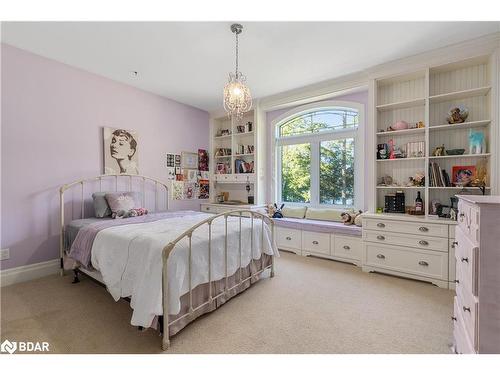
(236, 54)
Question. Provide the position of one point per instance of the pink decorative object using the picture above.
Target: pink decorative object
(400, 125)
(391, 149)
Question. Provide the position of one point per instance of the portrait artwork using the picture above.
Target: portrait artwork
(120, 151)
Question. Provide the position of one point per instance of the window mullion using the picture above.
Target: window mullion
(315, 172)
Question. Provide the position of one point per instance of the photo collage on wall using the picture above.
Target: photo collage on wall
(189, 174)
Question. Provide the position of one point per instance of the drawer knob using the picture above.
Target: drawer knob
(454, 243)
(466, 309)
(380, 256)
(423, 229)
(423, 263)
(315, 242)
(289, 238)
(347, 247)
(381, 225)
(466, 260)
(454, 318)
(423, 242)
(456, 281)
(379, 237)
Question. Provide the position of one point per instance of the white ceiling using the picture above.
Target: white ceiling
(189, 61)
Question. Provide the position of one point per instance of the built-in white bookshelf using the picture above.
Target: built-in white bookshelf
(427, 96)
(239, 139)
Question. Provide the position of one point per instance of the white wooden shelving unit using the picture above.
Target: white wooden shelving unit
(233, 182)
(427, 95)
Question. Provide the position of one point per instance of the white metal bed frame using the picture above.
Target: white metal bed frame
(170, 246)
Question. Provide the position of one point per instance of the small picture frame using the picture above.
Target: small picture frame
(189, 160)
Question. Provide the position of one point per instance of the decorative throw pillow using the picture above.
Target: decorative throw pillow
(122, 214)
(328, 214)
(123, 201)
(101, 207)
(296, 212)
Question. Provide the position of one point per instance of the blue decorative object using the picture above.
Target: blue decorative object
(477, 143)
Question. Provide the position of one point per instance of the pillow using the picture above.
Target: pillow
(296, 212)
(101, 207)
(123, 201)
(328, 214)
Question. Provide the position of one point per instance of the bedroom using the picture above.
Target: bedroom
(185, 191)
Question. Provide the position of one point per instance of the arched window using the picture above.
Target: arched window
(315, 153)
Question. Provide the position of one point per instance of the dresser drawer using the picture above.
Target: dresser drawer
(462, 343)
(288, 238)
(435, 230)
(452, 262)
(468, 220)
(467, 310)
(346, 247)
(209, 209)
(316, 242)
(432, 264)
(420, 241)
(467, 262)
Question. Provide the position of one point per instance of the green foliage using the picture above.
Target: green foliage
(296, 173)
(336, 172)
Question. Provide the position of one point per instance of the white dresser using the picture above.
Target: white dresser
(412, 247)
(476, 315)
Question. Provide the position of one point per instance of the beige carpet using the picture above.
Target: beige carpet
(311, 306)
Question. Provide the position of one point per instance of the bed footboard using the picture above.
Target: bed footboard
(252, 215)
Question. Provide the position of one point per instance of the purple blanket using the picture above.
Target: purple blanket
(82, 245)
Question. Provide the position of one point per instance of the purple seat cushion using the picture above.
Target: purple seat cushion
(319, 226)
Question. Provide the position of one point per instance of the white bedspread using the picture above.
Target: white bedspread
(129, 258)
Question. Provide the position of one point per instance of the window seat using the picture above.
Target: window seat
(319, 226)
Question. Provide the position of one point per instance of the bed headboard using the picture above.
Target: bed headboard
(154, 195)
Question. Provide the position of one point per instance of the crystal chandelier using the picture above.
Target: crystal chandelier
(237, 97)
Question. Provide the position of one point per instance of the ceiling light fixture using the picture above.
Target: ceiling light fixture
(237, 97)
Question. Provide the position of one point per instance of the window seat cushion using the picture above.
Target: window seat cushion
(319, 226)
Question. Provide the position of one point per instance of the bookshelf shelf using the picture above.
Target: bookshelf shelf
(401, 132)
(460, 156)
(401, 159)
(463, 125)
(479, 91)
(402, 104)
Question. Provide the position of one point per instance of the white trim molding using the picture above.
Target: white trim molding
(30, 272)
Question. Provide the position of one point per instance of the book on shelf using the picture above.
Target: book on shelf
(438, 177)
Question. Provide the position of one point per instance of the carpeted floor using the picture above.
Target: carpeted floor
(311, 306)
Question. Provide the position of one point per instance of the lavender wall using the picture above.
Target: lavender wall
(52, 116)
(358, 97)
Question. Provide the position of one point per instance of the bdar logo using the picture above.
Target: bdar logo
(9, 347)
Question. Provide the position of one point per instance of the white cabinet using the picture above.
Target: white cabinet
(414, 248)
(289, 239)
(476, 314)
(346, 247)
(315, 242)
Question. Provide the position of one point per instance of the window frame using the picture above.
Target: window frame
(315, 139)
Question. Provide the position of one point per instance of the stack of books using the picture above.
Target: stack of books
(438, 176)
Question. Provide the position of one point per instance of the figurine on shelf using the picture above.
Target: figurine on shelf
(391, 149)
(438, 151)
(457, 115)
(420, 125)
(418, 179)
(386, 181)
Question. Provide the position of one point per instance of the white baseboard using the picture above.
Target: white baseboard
(30, 272)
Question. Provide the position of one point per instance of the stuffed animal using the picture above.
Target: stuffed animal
(270, 210)
(350, 218)
(357, 219)
(278, 214)
(347, 218)
(122, 214)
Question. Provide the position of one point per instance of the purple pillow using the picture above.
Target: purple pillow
(123, 201)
